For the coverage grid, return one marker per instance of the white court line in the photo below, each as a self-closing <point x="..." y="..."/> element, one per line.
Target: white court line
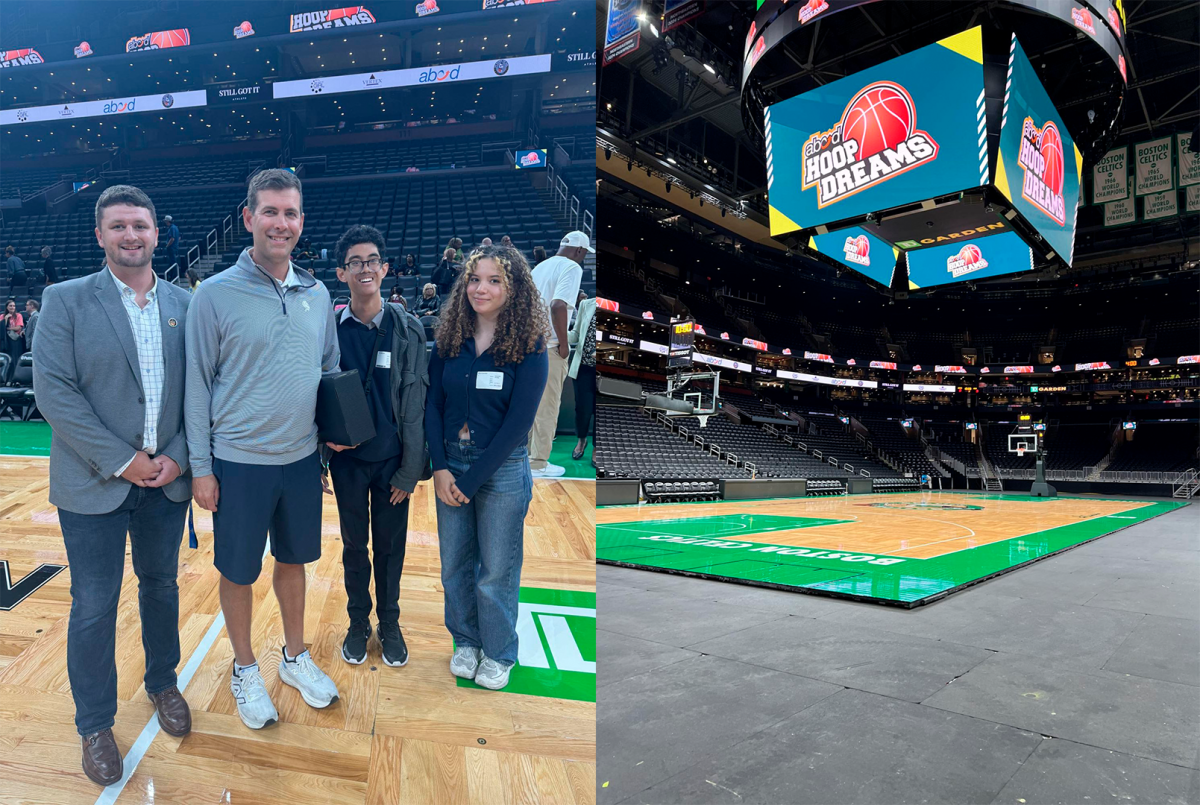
<point x="136" y="752"/>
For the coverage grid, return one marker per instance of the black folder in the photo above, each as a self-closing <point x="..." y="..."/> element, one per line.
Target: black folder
<point x="343" y="416"/>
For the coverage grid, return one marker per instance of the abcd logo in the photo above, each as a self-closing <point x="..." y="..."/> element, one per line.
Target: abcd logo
<point x="876" y="139"/>
<point x="117" y="107"/>
<point x="434" y="74"/>
<point x="1042" y="158"/>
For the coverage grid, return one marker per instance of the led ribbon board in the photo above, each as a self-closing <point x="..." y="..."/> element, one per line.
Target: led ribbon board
<point x="975" y="259"/>
<point x="1039" y="166"/>
<point x="413" y="77"/>
<point x="903" y="131"/>
<point x="105" y="108"/>
<point x="858" y="249"/>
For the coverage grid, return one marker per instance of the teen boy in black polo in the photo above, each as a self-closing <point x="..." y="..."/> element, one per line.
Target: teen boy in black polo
<point x="372" y="481"/>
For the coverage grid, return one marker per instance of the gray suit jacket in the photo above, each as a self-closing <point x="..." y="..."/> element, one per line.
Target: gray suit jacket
<point x="88" y="385"/>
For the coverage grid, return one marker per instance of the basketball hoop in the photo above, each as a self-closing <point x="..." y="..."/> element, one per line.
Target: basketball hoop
<point x="1021" y="451"/>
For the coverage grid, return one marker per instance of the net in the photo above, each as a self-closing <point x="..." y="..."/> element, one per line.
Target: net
<point x="1020" y="451"/>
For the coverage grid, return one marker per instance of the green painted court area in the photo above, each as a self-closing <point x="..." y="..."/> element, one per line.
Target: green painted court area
<point x="721" y="547"/>
<point x="24" y="439"/>
<point x="557" y="654"/>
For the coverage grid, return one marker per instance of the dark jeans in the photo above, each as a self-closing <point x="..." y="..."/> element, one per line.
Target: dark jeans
<point x="96" y="555"/>
<point x="585" y="399"/>
<point x="363" y="488"/>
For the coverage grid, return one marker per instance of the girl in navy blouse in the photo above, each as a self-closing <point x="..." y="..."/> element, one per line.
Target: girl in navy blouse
<point x="486" y="377"/>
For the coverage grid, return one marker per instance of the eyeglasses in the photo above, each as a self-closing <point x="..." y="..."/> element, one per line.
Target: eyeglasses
<point x="357" y="266"/>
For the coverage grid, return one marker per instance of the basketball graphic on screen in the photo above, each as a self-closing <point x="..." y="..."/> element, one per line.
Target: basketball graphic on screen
<point x="862" y="246"/>
<point x="969" y="254"/>
<point x="880" y="116"/>
<point x="84" y="46"/>
<point x="1051" y="146"/>
<point x="246" y="27"/>
<point x="1085" y="17"/>
<point x="815" y="4"/>
<point x="170" y="39"/>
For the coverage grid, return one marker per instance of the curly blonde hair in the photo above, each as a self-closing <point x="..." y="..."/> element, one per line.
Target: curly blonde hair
<point x="523" y="323"/>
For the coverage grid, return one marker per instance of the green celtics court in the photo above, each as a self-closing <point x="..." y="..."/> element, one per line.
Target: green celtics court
<point x="905" y="549"/>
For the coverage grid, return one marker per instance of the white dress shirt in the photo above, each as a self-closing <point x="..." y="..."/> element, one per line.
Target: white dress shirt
<point x="147" y="336"/>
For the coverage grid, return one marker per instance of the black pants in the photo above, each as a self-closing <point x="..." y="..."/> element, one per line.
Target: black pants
<point x="585" y="399"/>
<point x="363" y="493"/>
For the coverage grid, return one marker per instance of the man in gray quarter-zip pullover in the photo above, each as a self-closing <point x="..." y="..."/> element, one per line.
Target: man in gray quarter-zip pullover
<point x="259" y="335"/>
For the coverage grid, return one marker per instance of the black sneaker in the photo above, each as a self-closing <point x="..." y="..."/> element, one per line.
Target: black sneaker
<point x="395" y="653"/>
<point x="354" y="647"/>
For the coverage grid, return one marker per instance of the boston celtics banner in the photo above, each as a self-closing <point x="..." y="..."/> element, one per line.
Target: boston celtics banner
<point x="1153" y="166"/>
<point x="1193" y="198"/>
<point x="1119" y="213"/>
<point x="1108" y="176"/>
<point x="1189" y="162"/>
<point x="1160" y="205"/>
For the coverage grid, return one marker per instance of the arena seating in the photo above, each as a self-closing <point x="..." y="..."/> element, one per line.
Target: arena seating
<point x="1158" y="447"/>
<point x="629" y="444"/>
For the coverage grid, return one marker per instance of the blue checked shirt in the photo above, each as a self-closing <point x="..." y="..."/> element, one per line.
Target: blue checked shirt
<point x="147" y="334"/>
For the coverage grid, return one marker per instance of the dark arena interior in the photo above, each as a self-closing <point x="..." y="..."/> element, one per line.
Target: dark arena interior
<point x="814" y="379"/>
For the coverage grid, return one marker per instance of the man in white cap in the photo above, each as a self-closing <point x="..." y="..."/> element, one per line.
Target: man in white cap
<point x="557" y="279"/>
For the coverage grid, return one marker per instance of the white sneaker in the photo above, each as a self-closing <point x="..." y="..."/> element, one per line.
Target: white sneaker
<point x="303" y="674"/>
<point x="550" y="471"/>
<point x="492" y="674"/>
<point x="465" y="661"/>
<point x="253" y="702"/>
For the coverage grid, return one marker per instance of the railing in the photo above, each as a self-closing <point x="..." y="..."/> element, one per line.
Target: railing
<point x="832" y="460"/>
<point x="864" y="473"/>
<point x="171" y="275"/>
<point x="1186" y="485"/>
<point x="193" y="256"/>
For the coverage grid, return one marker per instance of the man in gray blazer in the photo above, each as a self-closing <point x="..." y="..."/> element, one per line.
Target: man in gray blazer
<point x="108" y="373"/>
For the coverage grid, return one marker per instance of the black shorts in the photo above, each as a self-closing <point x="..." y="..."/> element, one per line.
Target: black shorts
<point x="255" y="499"/>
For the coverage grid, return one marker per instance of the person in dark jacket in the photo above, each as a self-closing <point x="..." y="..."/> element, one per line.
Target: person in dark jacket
<point x="430" y="304"/>
<point x="48" y="267"/>
<point x="447" y="272"/>
<point x="373" y="480"/>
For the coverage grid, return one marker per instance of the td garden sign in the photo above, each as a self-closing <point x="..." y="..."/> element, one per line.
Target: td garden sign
<point x="776" y="550"/>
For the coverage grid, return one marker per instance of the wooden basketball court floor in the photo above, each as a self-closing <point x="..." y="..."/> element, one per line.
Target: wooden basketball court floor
<point x="397" y="735"/>
<point x="903" y="549"/>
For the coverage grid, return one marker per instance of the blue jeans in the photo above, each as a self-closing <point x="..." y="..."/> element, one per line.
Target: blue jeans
<point x="482" y="545"/>
<point x="96" y="555"/>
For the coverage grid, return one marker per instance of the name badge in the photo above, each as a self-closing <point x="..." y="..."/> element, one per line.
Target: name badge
<point x="492" y="381"/>
<point x="383" y="360"/>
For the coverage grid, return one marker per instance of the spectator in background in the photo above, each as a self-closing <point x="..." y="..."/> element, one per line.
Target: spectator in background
<point x="31" y="317"/>
<point x="575" y="311"/>
<point x="506" y="242"/>
<point x="446" y="272"/>
<point x="397" y="298"/>
<point x="485" y="242"/>
<point x="557" y="280"/>
<point x="539" y="254"/>
<point x="410" y="266"/>
<point x="456" y="244"/>
<point x="583" y="371"/>
<point x="486" y="374"/>
<point x="14" y="326"/>
<point x="430" y="304"/>
<point x="172" y="234"/>
<point x="306" y="249"/>
<point x="48" y="267"/>
<point x="193" y="279"/>
<point x="12" y="262"/>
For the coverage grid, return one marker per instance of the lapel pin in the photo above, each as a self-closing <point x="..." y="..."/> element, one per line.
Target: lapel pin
<point x="172" y="323"/>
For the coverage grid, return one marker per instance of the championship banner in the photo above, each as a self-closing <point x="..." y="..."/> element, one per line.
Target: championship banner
<point x="20" y="58"/>
<point x="906" y="130"/>
<point x="1193" y="198"/>
<point x="1039" y="168"/>
<point x="105" y="108"/>
<point x="677" y="12"/>
<point x="1108" y="176"/>
<point x="333" y="18"/>
<point x="622" y="30"/>
<point x="858" y="249"/>
<point x="974" y="260"/>
<point x="1119" y="213"/>
<point x="1152" y="162"/>
<point x="177" y="38"/>
<point x="416" y="76"/>
<point x="1160" y="205"/>
<point x="1189" y="162"/>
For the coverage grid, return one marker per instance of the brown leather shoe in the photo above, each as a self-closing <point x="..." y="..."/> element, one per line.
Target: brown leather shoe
<point x="174" y="715"/>
<point x="102" y="761"/>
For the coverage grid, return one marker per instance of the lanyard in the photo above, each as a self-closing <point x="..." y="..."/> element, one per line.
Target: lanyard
<point x="379" y="334"/>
